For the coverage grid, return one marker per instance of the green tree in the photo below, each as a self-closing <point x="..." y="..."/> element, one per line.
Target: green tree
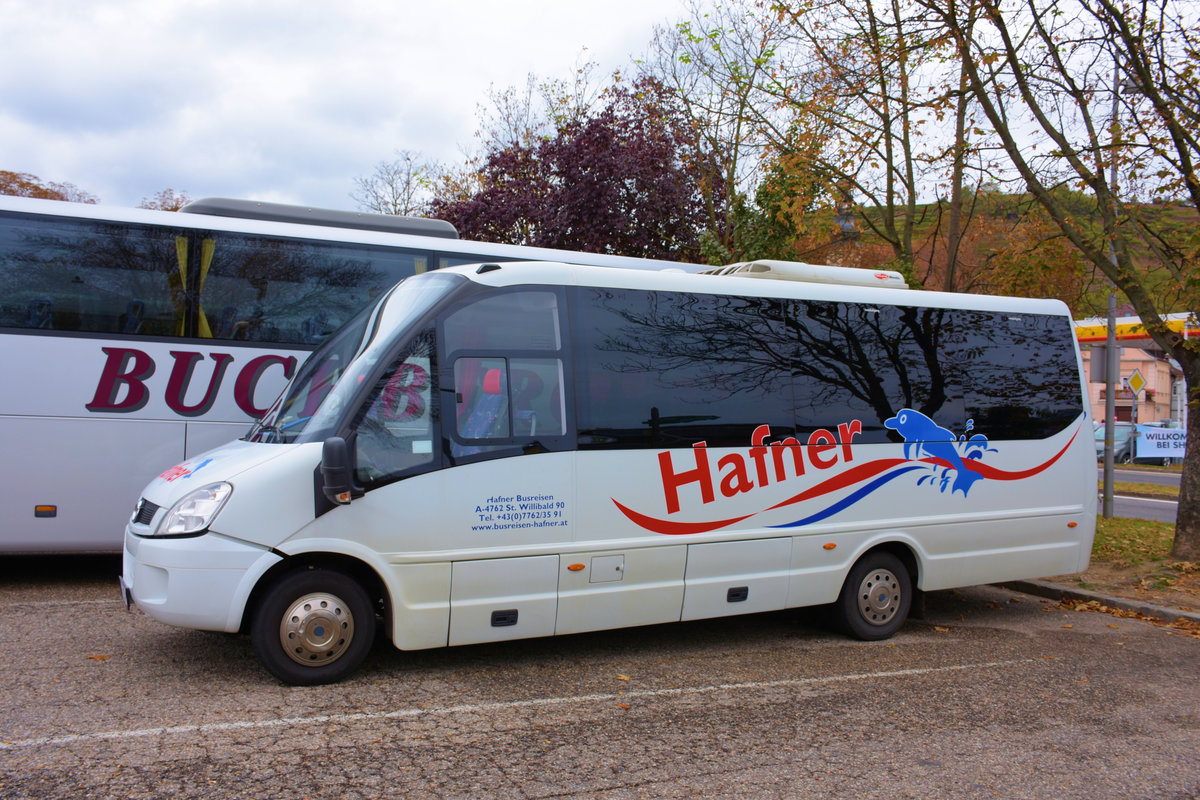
<point x="716" y="63"/>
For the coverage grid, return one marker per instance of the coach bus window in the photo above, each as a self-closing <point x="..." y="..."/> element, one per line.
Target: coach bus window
<point x="657" y="369"/>
<point x="867" y="362"/>
<point x="288" y="290"/>
<point x="1020" y="374"/>
<point x="81" y="275"/>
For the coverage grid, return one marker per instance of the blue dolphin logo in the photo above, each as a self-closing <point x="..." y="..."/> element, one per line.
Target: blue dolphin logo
<point x="924" y="435"/>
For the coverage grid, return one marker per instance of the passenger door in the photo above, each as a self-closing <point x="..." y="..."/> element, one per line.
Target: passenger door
<point x="511" y="462"/>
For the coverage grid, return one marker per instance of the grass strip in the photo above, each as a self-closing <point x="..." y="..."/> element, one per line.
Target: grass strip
<point x="1127" y="542"/>
<point x="1155" y="489"/>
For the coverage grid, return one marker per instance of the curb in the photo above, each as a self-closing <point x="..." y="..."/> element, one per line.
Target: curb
<point x="1056" y="591"/>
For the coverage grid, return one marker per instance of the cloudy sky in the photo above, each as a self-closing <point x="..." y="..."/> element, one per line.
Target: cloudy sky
<point x="272" y="99"/>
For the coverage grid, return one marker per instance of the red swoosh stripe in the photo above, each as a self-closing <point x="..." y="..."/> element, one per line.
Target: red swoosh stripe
<point x="992" y="473"/>
<point x="676" y="528"/>
<point x="842" y="480"/>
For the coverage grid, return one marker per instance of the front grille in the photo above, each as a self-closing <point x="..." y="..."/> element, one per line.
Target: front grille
<point x="144" y="513"/>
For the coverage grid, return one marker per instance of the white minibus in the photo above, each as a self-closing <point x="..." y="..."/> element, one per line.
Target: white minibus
<point x="509" y="450"/>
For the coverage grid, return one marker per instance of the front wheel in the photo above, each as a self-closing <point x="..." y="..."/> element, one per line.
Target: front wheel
<point x="313" y="627"/>
<point x="875" y="598"/>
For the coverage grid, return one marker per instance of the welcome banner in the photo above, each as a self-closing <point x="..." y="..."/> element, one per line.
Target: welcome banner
<point x="1155" y="442"/>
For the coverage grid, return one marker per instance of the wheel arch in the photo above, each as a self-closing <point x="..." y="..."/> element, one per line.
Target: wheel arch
<point x="898" y="544"/>
<point x="903" y="550"/>
<point x="356" y="568"/>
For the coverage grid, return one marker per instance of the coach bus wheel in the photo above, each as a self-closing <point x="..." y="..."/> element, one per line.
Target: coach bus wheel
<point x="876" y="597"/>
<point x="313" y="627"/>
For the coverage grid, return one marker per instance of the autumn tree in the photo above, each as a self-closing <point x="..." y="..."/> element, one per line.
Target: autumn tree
<point x="830" y="110"/>
<point x="166" y="200"/>
<point x="1104" y="96"/>
<point x="22" y="184"/>
<point x="620" y="180"/>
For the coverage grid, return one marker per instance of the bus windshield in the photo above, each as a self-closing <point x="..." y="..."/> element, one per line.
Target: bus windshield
<point x="313" y="402"/>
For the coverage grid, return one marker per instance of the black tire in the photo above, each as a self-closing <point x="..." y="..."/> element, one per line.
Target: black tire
<point x="875" y="598"/>
<point x="313" y="627"/>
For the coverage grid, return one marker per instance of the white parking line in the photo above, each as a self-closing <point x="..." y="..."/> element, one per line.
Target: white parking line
<point x="1147" y="499"/>
<point x="404" y="713"/>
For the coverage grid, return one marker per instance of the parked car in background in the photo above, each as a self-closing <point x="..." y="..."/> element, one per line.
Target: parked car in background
<point x="1123" y="443"/>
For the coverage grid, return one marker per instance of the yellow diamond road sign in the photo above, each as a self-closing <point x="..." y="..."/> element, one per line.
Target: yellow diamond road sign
<point x="1137" y="382"/>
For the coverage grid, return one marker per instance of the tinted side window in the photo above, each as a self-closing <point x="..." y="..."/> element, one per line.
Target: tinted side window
<point x="117" y="278"/>
<point x="658" y="369"/>
<point x="82" y="275"/>
<point x="1019" y="374"/>
<point x="256" y="288"/>
<point x="867" y="362"/>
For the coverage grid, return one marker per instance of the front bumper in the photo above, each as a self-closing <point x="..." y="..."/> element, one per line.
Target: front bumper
<point x="200" y="582"/>
<point x="126" y="595"/>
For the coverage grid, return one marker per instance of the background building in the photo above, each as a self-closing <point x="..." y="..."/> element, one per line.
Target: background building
<point x="1163" y="398"/>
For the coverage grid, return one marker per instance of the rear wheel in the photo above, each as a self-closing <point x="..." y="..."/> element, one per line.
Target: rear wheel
<point x="876" y="597"/>
<point x="313" y="627"/>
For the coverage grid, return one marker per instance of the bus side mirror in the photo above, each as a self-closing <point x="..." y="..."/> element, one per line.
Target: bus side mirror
<point x="335" y="470"/>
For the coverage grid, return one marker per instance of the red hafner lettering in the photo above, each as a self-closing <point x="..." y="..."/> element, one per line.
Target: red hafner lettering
<point x="740" y="474"/>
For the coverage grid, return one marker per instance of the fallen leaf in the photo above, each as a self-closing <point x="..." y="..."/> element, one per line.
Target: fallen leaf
<point x="99" y="658"/>
<point x="1068" y="625"/>
<point x="622" y="677"/>
<point x="940" y="628"/>
<point x="625" y="706"/>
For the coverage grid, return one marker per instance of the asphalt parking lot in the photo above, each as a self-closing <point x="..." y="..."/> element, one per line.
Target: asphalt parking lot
<point x="991" y="694"/>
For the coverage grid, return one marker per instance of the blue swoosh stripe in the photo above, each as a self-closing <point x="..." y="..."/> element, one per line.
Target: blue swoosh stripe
<point x="850" y="499"/>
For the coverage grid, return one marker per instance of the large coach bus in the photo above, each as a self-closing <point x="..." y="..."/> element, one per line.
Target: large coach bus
<point x="512" y="450"/>
<point x="132" y="339"/>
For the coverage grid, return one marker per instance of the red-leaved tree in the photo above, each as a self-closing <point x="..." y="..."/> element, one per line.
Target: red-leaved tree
<point x="621" y="180"/>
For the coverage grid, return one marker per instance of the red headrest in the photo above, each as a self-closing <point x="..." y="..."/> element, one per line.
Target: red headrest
<point x="491" y="382"/>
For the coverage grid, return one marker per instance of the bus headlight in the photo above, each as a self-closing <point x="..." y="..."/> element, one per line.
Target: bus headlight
<point x="195" y="511"/>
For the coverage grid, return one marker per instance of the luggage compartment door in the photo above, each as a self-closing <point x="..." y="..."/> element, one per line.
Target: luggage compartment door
<point x="496" y="599"/>
<point x="726" y="578"/>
